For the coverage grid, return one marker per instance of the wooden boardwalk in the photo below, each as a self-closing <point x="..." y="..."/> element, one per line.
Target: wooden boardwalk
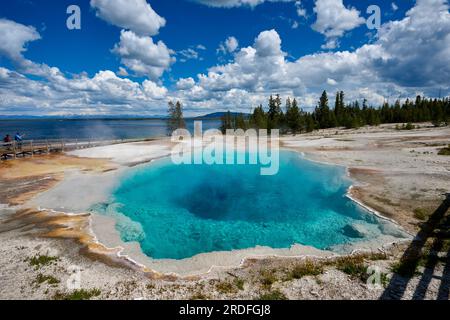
<point x="29" y="148"/>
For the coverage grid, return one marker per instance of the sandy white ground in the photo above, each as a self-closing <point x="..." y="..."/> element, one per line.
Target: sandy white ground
<point x="127" y="153"/>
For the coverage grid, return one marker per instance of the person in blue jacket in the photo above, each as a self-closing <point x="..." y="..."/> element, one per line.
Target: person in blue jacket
<point x="19" y="139"/>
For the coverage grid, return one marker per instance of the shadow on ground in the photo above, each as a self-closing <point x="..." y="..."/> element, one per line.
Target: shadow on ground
<point x="430" y="249"/>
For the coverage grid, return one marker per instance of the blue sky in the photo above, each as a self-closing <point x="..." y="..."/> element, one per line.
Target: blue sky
<point x="131" y="57"/>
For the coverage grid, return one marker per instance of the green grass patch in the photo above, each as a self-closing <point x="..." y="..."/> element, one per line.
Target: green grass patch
<point x="444" y="151"/>
<point x="80" y="294"/>
<point x="445" y="245"/>
<point x="239" y="283"/>
<point x="372" y="256"/>
<point x="407" y="266"/>
<point x="420" y="214"/>
<point x="199" y="296"/>
<point x="272" y="295"/>
<point x="353" y="266"/>
<point x="226" y="287"/>
<point x="39" y="261"/>
<point x="384" y="280"/>
<point x="306" y="268"/>
<point x="40" y="279"/>
<point x="268" y="278"/>
<point x="407" y="126"/>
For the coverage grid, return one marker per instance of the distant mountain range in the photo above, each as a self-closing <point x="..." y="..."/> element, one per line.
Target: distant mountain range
<point x="80" y="117"/>
<point x="214" y="115"/>
<point x="218" y="115"/>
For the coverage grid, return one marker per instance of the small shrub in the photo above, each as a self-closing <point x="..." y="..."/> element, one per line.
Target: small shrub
<point x="239" y="283"/>
<point x="40" y="279"/>
<point x="407" y="126"/>
<point x="420" y="214"/>
<point x="199" y="296"/>
<point x="81" y="294"/>
<point x="272" y="295"/>
<point x="225" y="287"/>
<point x="407" y="266"/>
<point x="445" y="245"/>
<point x="353" y="266"/>
<point x="375" y="256"/>
<point x="444" y="151"/>
<point x="39" y="261"/>
<point x="384" y="279"/>
<point x="437" y="123"/>
<point x="268" y="278"/>
<point x="306" y="268"/>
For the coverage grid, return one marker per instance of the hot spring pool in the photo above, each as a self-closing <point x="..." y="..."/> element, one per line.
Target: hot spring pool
<point x="178" y="211"/>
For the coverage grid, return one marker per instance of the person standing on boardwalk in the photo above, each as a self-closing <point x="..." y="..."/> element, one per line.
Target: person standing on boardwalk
<point x="19" y="139"/>
<point x="7" y="141"/>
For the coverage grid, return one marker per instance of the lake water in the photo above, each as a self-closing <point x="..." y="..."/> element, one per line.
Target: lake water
<point x="180" y="211"/>
<point x="92" y="129"/>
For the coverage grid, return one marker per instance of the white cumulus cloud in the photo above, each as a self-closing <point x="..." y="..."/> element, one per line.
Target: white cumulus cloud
<point x="334" y="19"/>
<point x="301" y="11"/>
<point x="188" y="54"/>
<point x="141" y="55"/>
<point x="185" y="83"/>
<point x="154" y="91"/>
<point x="14" y="38"/>
<point x="409" y="56"/>
<point x="236" y="3"/>
<point x="394" y="6"/>
<point x="230" y="45"/>
<point x="135" y="15"/>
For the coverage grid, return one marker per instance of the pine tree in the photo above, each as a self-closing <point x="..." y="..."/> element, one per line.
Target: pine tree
<point x="227" y="122"/>
<point x="179" y="115"/>
<point x="339" y="107"/>
<point x="323" y="102"/>
<point x="288" y="104"/>
<point x="310" y="123"/>
<point x="351" y="115"/>
<point x="258" y="119"/>
<point x="240" y="122"/>
<point x="275" y="114"/>
<point x="324" y="116"/>
<point x="171" y="123"/>
<point x="293" y="117"/>
<point x="175" y="117"/>
<point x="438" y="117"/>
<point x="337" y="104"/>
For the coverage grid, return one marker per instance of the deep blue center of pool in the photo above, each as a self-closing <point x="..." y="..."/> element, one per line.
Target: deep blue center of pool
<point x="178" y="211"/>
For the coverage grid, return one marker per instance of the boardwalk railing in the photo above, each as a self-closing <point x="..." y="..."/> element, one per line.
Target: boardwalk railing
<point x="15" y="149"/>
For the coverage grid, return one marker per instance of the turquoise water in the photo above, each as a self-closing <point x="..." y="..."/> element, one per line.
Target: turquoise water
<point x="180" y="211"/>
